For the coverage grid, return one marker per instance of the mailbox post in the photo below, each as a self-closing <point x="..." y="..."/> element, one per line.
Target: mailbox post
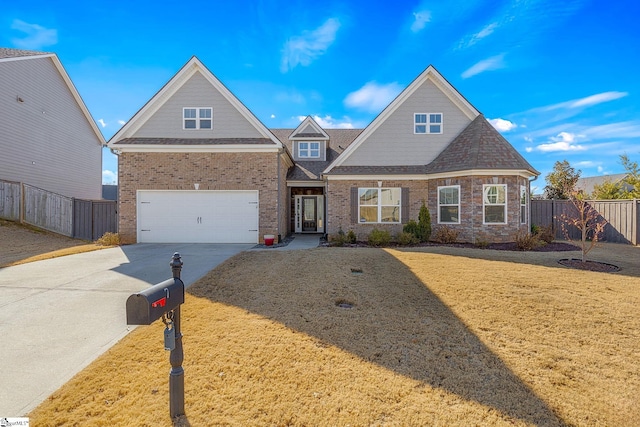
<point x="149" y="305"/>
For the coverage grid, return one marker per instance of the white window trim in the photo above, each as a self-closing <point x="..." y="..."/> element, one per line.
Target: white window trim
<point x="197" y="118"/>
<point x="484" y="204"/>
<point x="524" y="219"/>
<point x="427" y="124"/>
<point x="448" y="204"/>
<point x="380" y="205"/>
<point x="308" y="150"/>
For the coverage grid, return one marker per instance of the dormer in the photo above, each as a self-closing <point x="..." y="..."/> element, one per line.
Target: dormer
<point x="310" y="141"/>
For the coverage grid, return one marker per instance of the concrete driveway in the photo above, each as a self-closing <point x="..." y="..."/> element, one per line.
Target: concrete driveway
<point x="58" y="315"/>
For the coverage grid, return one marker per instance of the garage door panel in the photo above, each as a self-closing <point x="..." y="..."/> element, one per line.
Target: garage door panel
<point x="198" y="216"/>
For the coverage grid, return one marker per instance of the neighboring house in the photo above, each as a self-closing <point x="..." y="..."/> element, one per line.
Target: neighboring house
<point x="48" y="138"/>
<point x="195" y="165"/>
<point x="588" y="184"/>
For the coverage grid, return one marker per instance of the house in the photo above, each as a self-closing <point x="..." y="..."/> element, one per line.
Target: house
<point x="195" y="165"/>
<point x="588" y="184"/>
<point x="47" y="136"/>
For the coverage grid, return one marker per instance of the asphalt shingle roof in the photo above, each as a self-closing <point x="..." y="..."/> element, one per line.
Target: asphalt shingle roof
<point x="6" y="52"/>
<point x="479" y="146"/>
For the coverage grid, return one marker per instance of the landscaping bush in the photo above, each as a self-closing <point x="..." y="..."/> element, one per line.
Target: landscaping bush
<point x="109" y="239"/>
<point x="405" y="238"/>
<point x="411" y="227"/>
<point x="482" y="240"/>
<point x="547" y="234"/>
<point x="351" y="237"/>
<point x="379" y="237"/>
<point x="527" y="241"/>
<point x="444" y="234"/>
<point x="424" y="224"/>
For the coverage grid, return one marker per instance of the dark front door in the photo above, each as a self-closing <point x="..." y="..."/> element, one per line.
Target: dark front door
<point x="309" y="214"/>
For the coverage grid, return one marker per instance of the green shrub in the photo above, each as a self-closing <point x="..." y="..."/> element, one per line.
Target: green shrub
<point x="445" y="234"/>
<point x="109" y="239"/>
<point x="535" y="229"/>
<point x="547" y="234"/>
<point x="338" y="239"/>
<point x="379" y="237"/>
<point x="411" y="227"/>
<point x="405" y="238"/>
<point x="527" y="241"/>
<point x="424" y="224"/>
<point x="351" y="237"/>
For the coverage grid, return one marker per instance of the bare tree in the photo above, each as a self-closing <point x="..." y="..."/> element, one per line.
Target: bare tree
<point x="586" y="219"/>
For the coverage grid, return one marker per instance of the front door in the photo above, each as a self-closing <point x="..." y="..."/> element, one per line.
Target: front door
<point x="309" y="214"/>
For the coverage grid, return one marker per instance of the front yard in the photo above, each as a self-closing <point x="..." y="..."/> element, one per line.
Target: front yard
<point x="361" y="336"/>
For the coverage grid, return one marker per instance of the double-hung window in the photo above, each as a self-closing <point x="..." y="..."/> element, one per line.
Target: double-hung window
<point x="308" y="150"/>
<point x="523" y="204"/>
<point x="379" y="205"/>
<point x="427" y="123"/>
<point x="449" y="204"/>
<point x="197" y="118"/>
<point x="494" y="203"/>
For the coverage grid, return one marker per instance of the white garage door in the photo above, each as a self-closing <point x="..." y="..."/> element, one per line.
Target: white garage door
<point x="197" y="216"/>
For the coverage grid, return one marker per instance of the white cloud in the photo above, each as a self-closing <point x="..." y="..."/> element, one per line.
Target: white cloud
<point x="600" y="169"/>
<point x="503" y="125"/>
<point x="121" y="122"/>
<point x="273" y="116"/>
<point x="102" y="123"/>
<point x="36" y="36"/>
<point x="489" y="64"/>
<point x="109" y="177"/>
<point x="329" y="122"/>
<point x="475" y="38"/>
<point x="587" y="101"/>
<point x="420" y="20"/>
<point x="373" y="97"/>
<point x="303" y="49"/>
<point x="528" y="149"/>
<point x="564" y="141"/>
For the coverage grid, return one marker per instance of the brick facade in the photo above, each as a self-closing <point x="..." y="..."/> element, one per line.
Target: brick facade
<point x="213" y="171"/>
<point x="471" y="226"/>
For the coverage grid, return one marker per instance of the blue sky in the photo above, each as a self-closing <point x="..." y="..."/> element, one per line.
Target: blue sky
<point x="559" y="79"/>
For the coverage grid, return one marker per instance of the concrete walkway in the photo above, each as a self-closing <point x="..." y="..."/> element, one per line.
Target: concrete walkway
<point x="300" y="241"/>
<point x="58" y="315"/>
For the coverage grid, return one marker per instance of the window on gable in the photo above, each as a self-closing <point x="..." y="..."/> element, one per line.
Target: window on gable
<point x="197" y="118"/>
<point x="427" y="123"/>
<point x="377" y="205"/>
<point x="494" y="203"/>
<point x="523" y="204"/>
<point x="449" y="204"/>
<point x="308" y="150"/>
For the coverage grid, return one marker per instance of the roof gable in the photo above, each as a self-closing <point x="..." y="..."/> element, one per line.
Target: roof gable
<point x="192" y="74"/>
<point x="308" y="128"/>
<point x="429" y="77"/>
<point x="12" y="55"/>
<point x="479" y="147"/>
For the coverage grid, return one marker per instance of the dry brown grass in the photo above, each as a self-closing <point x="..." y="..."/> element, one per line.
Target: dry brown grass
<point x="22" y="244"/>
<point x="436" y="336"/>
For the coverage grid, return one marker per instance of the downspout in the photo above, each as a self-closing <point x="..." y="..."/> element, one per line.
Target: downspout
<point x="280" y="151"/>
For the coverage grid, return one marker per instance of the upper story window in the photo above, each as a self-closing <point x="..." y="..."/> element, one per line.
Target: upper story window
<point x="197" y="118"/>
<point x="427" y="123"/>
<point x="494" y="203"/>
<point x="449" y="204"/>
<point x="308" y="150"/>
<point x="379" y="204"/>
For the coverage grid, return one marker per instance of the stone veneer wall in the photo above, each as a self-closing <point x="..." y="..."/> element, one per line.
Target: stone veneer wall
<point x="471" y="225"/>
<point x="213" y="171"/>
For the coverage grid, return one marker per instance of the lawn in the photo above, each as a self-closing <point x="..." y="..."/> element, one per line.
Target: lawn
<point x="434" y="336"/>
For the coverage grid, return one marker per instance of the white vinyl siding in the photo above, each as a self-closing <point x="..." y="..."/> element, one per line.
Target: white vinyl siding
<point x="449" y="204"/>
<point x="379" y="205"/>
<point x="46" y="139"/>
<point x="494" y="204"/>
<point x="394" y="142"/>
<point x="167" y="122"/>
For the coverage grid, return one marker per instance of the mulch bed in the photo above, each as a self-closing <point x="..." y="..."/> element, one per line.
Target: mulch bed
<point x="602" y="267"/>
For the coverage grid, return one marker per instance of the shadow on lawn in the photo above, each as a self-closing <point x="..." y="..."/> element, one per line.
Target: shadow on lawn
<point x="395" y="321"/>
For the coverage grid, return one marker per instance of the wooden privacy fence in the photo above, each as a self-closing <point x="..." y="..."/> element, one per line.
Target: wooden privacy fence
<point x="621" y="216"/>
<point x="77" y="218"/>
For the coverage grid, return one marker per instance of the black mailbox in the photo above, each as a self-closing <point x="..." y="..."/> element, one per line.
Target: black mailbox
<point x="149" y="305"/>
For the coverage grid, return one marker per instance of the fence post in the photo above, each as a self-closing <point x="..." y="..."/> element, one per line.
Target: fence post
<point x="176" y="376"/>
